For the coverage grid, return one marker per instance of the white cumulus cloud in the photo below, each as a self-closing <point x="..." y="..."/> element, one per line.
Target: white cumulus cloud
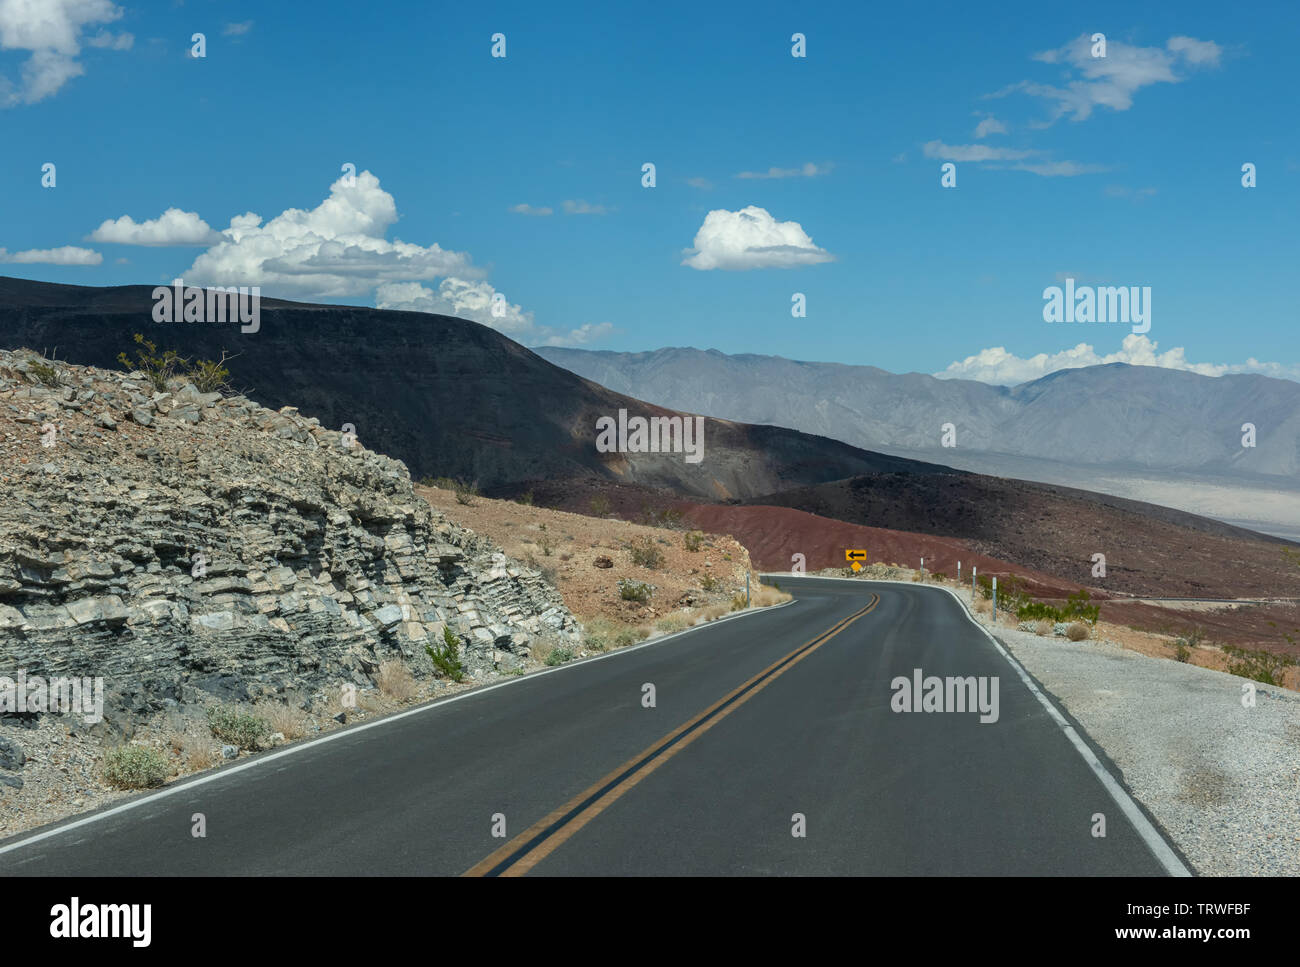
<point x="172" y="227"/>
<point x="67" y="255"/>
<point x="1003" y="368"/>
<point x="335" y="250"/>
<point x="50" y="31"/>
<point x="751" y="239"/>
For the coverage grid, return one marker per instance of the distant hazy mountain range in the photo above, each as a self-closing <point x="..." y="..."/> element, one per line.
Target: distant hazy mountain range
<point x="1159" y="435"/>
<point x="446" y="396"/>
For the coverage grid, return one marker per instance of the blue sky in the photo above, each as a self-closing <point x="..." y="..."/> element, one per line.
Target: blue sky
<point x="1122" y="171"/>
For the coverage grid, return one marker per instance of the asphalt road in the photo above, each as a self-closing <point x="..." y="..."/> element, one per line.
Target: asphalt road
<point x="755" y="719"/>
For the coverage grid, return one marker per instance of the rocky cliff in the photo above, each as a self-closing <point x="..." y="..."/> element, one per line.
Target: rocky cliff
<point x="184" y="545"/>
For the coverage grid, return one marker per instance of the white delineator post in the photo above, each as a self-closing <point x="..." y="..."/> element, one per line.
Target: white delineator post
<point x="974" y="571"/>
<point x="746" y="589"/>
<point x="959" y="572"/>
<point x="995" y="600"/>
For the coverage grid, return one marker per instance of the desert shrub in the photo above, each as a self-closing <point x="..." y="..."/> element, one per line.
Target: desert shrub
<point x="600" y="505"/>
<point x="559" y="656"/>
<point x="1262" y="666"/>
<point x="1077" y="606"/>
<point x="135" y="767"/>
<point x="693" y="540"/>
<point x="237" y="727"/>
<point x="939" y="576"/>
<point x="1182" y="649"/>
<point x="465" y="491"/>
<point x="45" y="374"/>
<point x="661" y="517"/>
<point x="644" y="553"/>
<point x="447" y="658"/>
<point x="158" y="367"/>
<point x="709" y="582"/>
<point x="1077" y="631"/>
<point x="1044" y="627"/>
<point x="525" y="498"/>
<point x="1038" y="611"/>
<point x="599" y="633"/>
<point x="634" y="591"/>
<point x="209" y="375"/>
<point x="738" y="602"/>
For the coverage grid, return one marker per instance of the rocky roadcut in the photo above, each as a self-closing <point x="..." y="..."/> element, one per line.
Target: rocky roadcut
<point x="190" y="548"/>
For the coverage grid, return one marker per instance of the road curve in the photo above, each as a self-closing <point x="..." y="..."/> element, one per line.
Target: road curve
<point x="772" y="747"/>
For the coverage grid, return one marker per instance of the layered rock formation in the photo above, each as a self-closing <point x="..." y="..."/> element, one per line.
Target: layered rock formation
<point x="183" y="544"/>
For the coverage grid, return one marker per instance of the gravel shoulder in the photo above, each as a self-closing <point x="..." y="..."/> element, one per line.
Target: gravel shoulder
<point x="1222" y="779"/>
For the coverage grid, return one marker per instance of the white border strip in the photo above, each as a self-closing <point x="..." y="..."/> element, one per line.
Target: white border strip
<point x="1163" y="852"/>
<point x="217" y="774"/>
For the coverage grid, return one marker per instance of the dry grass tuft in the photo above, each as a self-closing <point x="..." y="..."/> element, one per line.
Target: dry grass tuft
<point x="285" y="719"/>
<point x="677" y="621"/>
<point x="395" y="681"/>
<point x="1077" y="631"/>
<point x="198" y="752"/>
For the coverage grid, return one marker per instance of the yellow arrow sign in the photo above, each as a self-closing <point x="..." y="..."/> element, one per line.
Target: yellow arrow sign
<point x="854" y="555"/>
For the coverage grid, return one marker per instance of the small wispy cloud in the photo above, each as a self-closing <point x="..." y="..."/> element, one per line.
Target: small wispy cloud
<point x="1060" y="169"/>
<point x="1090" y="82"/>
<point x="989" y="125"/>
<point x="580" y="207"/>
<point x="237" y="29"/>
<point x="984" y="154"/>
<point x="526" y="209"/>
<point x="107" y="41"/>
<point x="809" y="170"/>
<point x="702" y="183"/>
<point x="67" y="255"/>
<point x="973" y="152"/>
<point x="587" y="333"/>
<point x="1123" y="191"/>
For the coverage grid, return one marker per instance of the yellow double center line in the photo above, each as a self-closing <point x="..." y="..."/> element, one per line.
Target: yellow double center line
<point x="541" y="839"/>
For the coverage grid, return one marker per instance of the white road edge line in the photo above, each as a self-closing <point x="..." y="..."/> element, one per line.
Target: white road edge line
<point x="1159" y="847"/>
<point x="346" y="733"/>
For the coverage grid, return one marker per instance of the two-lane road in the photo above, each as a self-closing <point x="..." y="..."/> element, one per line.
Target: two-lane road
<point x="773" y="746"/>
